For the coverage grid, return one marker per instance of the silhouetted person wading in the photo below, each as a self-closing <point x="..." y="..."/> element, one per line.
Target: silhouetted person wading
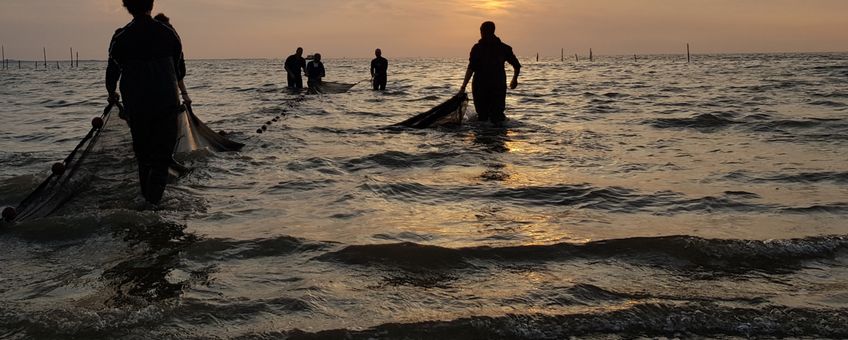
<point x="315" y="71"/>
<point x="379" y="70"/>
<point x="293" y="65"/>
<point x="486" y="64"/>
<point x="145" y="55"/>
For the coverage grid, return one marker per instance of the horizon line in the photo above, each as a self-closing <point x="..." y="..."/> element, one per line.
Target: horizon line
<point x="531" y="56"/>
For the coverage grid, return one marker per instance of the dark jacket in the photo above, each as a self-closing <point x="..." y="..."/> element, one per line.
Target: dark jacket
<point x="315" y="70"/>
<point x="487" y="61"/>
<point x="294" y="64"/>
<point x="146" y="56"/>
<point x="379" y="66"/>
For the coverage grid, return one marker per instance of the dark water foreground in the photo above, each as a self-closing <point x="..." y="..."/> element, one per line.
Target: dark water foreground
<point x="650" y="199"/>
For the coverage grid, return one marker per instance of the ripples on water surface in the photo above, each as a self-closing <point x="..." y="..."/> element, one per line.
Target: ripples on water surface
<point x="649" y="198"/>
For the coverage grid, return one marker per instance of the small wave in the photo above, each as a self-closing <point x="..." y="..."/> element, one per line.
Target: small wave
<point x="804" y="177"/>
<point x="397" y="159"/>
<point x="636" y="321"/>
<point x="728" y="255"/>
<point x="829" y="103"/>
<point x="219" y="249"/>
<point x="15" y="189"/>
<point x="703" y="122"/>
<point x="832" y="208"/>
<point x="616" y="95"/>
<point x="778" y="125"/>
<point x="424" y="99"/>
<point x="205" y="313"/>
<point x="300" y="185"/>
<point x="583" y="196"/>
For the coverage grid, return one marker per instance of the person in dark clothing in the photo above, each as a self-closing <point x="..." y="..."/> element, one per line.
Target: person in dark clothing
<point x="293" y="65"/>
<point x="379" y="70"/>
<point x="486" y="65"/>
<point x="145" y="56"/>
<point x="315" y="71"/>
<point x="181" y="68"/>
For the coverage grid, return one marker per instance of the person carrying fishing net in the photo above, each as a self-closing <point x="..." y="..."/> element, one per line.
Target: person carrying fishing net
<point x="145" y="55"/>
<point x="486" y="65"/>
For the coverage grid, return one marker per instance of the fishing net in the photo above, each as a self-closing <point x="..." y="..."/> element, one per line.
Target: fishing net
<point x="101" y="172"/>
<point x="329" y="87"/>
<point x="448" y="113"/>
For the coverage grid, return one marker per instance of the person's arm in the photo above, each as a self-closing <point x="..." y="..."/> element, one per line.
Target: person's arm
<point x="472" y="65"/>
<point x="287" y="67"/>
<point x="516" y="68"/>
<point x="372" y="68"/>
<point x="468" y="73"/>
<point x="184" y="92"/>
<point x="181" y="73"/>
<point x="113" y="73"/>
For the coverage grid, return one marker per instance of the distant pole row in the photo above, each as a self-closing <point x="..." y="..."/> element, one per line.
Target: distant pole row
<point x="5" y="62"/>
<point x="592" y="55"/>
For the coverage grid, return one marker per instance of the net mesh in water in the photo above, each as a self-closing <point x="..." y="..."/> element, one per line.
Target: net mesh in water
<point x="448" y="113"/>
<point x="101" y="172"/>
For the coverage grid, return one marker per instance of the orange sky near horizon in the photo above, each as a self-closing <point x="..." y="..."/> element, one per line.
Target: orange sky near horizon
<point x="435" y="28"/>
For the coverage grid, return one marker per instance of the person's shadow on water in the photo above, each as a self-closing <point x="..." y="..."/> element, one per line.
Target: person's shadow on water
<point x="493" y="140"/>
<point x="155" y="254"/>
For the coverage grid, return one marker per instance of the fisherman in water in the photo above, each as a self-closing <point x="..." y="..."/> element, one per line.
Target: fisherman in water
<point x="181" y="68"/>
<point x="486" y="65"/>
<point x="293" y="66"/>
<point x="315" y="71"/>
<point x="379" y="71"/>
<point x="145" y="56"/>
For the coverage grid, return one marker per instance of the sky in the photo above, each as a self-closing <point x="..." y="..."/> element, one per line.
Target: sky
<point x="435" y="28"/>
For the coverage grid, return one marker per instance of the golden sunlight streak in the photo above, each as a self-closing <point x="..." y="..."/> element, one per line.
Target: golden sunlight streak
<point x="492" y="5"/>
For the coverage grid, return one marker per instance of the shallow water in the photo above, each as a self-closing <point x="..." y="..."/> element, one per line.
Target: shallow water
<point x="648" y="198"/>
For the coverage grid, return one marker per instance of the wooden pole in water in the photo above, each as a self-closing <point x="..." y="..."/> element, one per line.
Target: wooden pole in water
<point x="537" y="57"/>
<point x="77" y="58"/>
<point x="562" y="55"/>
<point x="3" y="48"/>
<point x="57" y="65"/>
<point x="688" y="56"/>
<point x="576" y="57"/>
<point x="635" y="58"/>
<point x="72" y="57"/>
<point x="591" y="56"/>
<point x="45" y="58"/>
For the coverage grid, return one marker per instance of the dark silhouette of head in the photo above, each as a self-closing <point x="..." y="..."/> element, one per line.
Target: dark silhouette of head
<point x="161" y="17"/>
<point x="317" y="57"/>
<point x="378" y="52"/>
<point x="299" y="51"/>
<point x="139" y="7"/>
<point x="487" y="29"/>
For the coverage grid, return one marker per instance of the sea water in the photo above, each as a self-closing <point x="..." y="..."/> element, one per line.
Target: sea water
<point x="623" y="198"/>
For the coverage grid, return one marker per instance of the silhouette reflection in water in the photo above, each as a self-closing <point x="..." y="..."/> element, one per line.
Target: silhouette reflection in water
<point x="146" y="276"/>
